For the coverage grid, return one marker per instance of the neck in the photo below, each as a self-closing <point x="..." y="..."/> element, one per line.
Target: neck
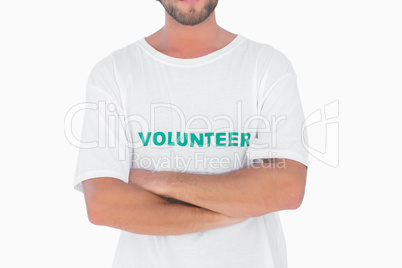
<point x="177" y="40"/>
<point x="188" y="38"/>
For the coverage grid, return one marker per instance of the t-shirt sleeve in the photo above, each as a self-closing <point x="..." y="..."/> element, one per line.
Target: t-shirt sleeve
<point x="104" y="150"/>
<point x="279" y="132"/>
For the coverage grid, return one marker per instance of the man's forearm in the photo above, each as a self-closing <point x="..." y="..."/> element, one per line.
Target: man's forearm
<point x="113" y="203"/>
<point x="247" y="192"/>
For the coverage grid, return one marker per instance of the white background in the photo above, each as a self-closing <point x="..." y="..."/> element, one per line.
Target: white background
<point x="346" y="50"/>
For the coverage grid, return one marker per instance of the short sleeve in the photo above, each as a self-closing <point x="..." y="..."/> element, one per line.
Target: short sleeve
<point x="279" y="132"/>
<point x="104" y="150"/>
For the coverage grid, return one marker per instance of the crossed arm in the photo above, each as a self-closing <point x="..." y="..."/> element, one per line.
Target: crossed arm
<point x="214" y="200"/>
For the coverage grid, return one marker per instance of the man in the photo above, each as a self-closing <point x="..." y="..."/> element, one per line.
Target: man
<point x="194" y="145"/>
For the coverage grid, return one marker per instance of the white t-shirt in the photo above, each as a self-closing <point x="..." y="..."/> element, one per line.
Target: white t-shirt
<point x="210" y="114"/>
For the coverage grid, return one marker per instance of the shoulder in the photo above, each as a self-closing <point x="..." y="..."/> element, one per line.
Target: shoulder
<point x="118" y="57"/>
<point x="271" y="63"/>
<point x="266" y="52"/>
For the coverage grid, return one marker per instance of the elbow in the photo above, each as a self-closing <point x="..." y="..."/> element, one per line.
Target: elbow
<point x="295" y="201"/>
<point x="100" y="195"/>
<point x="95" y="209"/>
<point x="94" y="213"/>
<point x="288" y="193"/>
<point x="295" y="184"/>
<point x="290" y="201"/>
<point x="290" y="197"/>
<point x="294" y="195"/>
